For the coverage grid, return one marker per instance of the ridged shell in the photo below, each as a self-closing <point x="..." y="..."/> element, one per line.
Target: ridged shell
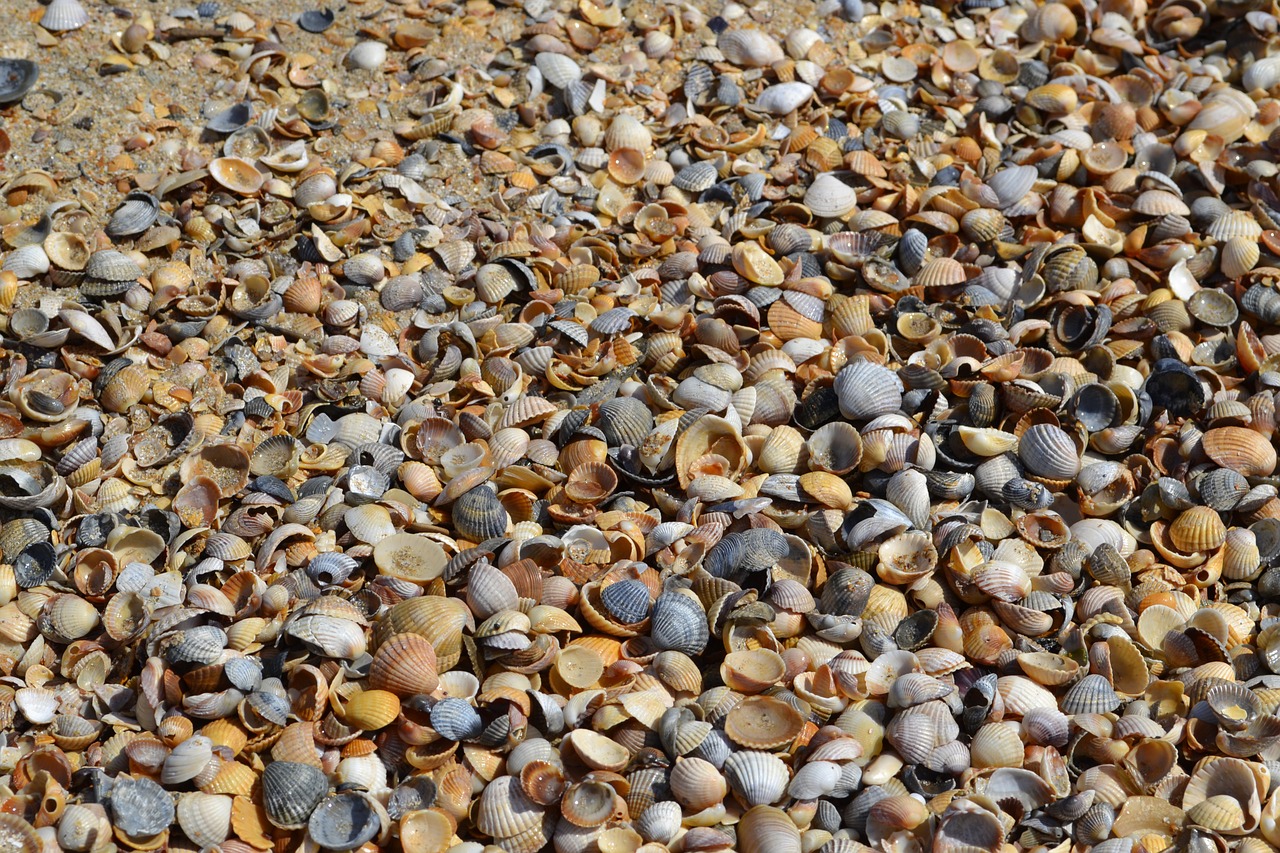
<point x="1048" y="451"/>
<point x="756" y="778"/>
<point x="830" y="197"/>
<point x="291" y="791"/>
<point x="140" y="807"/>
<point x="678" y="624"/>
<point x="867" y="390"/>
<point x="750" y="48"/>
<point x="62" y="16"/>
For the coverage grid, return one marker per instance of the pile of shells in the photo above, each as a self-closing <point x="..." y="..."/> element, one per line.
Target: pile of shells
<point x="655" y="429"/>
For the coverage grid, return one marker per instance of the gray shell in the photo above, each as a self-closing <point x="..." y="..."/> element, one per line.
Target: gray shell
<point x="1092" y="694"/>
<point x="846" y="592"/>
<point x="679" y="624"/>
<point x="867" y="390"/>
<point x="291" y="791"/>
<point x="140" y="807"/>
<point x="738" y="555"/>
<point x="243" y="673"/>
<point x="344" y="822"/>
<point x="136" y="214"/>
<point x="110" y="265"/>
<point x="624" y="420"/>
<point x="455" y="719"/>
<point x="479" y="515"/>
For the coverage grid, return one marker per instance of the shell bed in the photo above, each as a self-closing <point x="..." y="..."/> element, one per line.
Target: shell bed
<point x="628" y="427"/>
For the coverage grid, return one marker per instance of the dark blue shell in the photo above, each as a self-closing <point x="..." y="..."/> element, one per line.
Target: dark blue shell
<point x="454" y="719"/>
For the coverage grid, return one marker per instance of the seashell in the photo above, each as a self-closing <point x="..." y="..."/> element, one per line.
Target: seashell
<point x="409" y="557"/>
<point x="1241" y="450"/>
<point x="558" y="70"/>
<point x="205" y="818"/>
<point x="1011" y="184"/>
<point x="27" y="262"/>
<point x="678" y="624"/>
<point x="140" y="808"/>
<point x="783" y="98"/>
<point x="1047" y="451"/>
<point x="291" y="791"/>
<point x="830" y="197"/>
<point x="17" y="77"/>
<point x="750" y="48"/>
<point x="345" y="821"/>
<point x="764" y="828"/>
<point x="756" y="778"/>
<point x="62" y="16"/>
<point x="1198" y="529"/>
<point x="867" y="390"/>
<point x="235" y="174"/>
<point x="366" y="56"/>
<point x="186" y="760"/>
<point x="762" y="722"/>
<point x="1093" y="694"/>
<point x="136" y="213"/>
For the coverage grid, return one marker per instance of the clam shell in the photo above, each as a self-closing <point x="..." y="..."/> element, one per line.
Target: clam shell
<point x="344" y="821"/>
<point x="1048" y="451"/>
<point x="678" y="624"/>
<point x="756" y="778"/>
<point x="140" y="808"/>
<point x="17" y="77"/>
<point x="62" y="16"/>
<point x="750" y="48"/>
<point x="830" y="197"/>
<point x="291" y="791"/>
<point x="135" y="214"/>
<point x="783" y="98"/>
<point x="867" y="390"/>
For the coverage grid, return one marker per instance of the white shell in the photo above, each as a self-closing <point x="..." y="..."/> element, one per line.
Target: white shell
<point x="750" y="48"/>
<point x="830" y="197"/>
<point x="1261" y="74"/>
<point x="783" y="98"/>
<point x="27" y="262"/>
<point x="558" y="69"/>
<point x="757" y="778"/>
<point x="367" y="56"/>
<point x="62" y="16"/>
<point x="187" y="760"/>
<point x="815" y="779"/>
<point x="205" y="818"/>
